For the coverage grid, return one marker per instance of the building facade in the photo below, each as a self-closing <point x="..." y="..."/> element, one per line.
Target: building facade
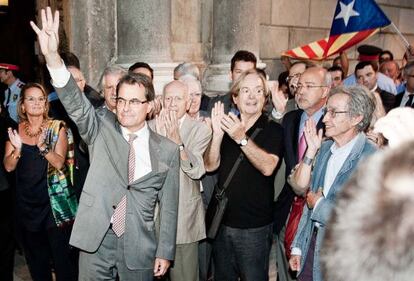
<point x="165" y="33"/>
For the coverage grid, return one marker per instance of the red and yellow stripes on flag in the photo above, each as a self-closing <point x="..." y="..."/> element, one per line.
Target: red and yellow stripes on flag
<point x="317" y="50"/>
<point x="312" y="51"/>
<point x="338" y="43"/>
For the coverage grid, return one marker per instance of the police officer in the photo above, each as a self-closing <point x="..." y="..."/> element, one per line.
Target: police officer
<point x="14" y="85"/>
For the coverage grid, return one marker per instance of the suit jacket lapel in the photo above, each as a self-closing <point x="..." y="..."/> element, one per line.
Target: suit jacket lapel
<point x="321" y="166"/>
<point x="118" y="150"/>
<point x="154" y="147"/>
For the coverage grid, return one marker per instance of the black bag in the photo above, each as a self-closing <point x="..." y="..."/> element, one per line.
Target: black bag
<point x="215" y="212"/>
<point x="218" y="203"/>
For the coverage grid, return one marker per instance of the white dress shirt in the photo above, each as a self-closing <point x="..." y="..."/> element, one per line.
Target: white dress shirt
<point x="141" y="148"/>
<point x="335" y="163"/>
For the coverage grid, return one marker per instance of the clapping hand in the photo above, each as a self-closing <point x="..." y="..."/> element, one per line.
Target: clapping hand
<point x="42" y="138"/>
<point x="15" y="139"/>
<point x="172" y="127"/>
<point x="313" y="139"/>
<point x="278" y="97"/>
<point x="232" y="125"/>
<point x="160" y="122"/>
<point x="217" y="115"/>
<point x="156" y="107"/>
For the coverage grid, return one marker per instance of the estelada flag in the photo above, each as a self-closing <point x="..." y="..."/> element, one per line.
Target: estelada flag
<point x="353" y="21"/>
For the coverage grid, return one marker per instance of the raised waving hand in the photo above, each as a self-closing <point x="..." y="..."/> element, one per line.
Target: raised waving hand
<point x="48" y="36"/>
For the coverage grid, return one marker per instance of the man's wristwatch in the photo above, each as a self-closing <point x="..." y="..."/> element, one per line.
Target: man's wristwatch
<point x="306" y="160"/>
<point x="243" y="141"/>
<point x="181" y="147"/>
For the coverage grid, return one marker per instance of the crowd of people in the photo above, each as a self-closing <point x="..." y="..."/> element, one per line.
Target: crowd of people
<point x="115" y="185"/>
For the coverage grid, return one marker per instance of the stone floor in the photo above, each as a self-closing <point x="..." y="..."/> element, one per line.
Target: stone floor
<point x="21" y="272"/>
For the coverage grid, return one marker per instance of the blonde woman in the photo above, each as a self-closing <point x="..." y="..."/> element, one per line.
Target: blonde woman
<point x="40" y="152"/>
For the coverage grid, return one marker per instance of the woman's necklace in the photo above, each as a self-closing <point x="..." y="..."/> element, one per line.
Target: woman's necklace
<point x="29" y="133"/>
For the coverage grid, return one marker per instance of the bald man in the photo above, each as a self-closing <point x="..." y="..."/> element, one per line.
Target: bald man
<point x="312" y="90"/>
<point x="192" y="137"/>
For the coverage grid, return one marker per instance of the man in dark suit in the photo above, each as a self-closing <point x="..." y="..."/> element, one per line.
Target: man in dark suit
<point x="131" y="169"/>
<point x="366" y="74"/>
<point x="311" y="94"/>
<point x="406" y="98"/>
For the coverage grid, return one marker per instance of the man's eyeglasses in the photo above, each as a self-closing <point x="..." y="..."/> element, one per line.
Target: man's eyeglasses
<point x="308" y="86"/>
<point x="332" y="112"/>
<point x="33" y="100"/>
<point x="132" y="102"/>
<point x="259" y="91"/>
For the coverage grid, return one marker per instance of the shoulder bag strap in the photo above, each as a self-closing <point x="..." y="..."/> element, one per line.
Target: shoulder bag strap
<point x="236" y="164"/>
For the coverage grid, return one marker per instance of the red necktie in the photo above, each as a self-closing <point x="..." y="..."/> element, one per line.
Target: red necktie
<point x="118" y="224"/>
<point x="302" y="146"/>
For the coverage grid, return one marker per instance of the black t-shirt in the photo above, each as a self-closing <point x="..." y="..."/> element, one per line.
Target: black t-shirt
<point x="250" y="193"/>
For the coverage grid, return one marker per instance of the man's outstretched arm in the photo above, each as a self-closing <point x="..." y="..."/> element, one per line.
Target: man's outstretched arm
<point x="77" y="106"/>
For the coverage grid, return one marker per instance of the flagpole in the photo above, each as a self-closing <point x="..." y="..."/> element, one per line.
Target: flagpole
<point x="407" y="44"/>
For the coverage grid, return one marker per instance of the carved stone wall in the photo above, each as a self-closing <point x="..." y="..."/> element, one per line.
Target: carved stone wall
<point x="207" y="32"/>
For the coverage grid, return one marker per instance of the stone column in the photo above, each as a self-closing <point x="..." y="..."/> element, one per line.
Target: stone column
<point x="186" y="31"/>
<point x="92" y="31"/>
<point x="145" y="26"/>
<point x="236" y="26"/>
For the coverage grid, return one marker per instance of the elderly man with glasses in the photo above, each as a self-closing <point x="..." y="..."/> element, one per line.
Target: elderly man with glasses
<point x="347" y="114"/>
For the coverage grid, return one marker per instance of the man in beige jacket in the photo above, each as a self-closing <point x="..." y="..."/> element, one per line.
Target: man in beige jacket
<point x="192" y="137"/>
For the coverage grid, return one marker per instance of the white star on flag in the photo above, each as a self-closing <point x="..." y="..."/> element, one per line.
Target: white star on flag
<point x="346" y="12"/>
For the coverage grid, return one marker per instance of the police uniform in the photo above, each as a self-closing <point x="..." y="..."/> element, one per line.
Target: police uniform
<point x="12" y="93"/>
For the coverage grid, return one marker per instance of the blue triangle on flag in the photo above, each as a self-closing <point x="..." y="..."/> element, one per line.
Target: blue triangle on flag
<point x="357" y="15"/>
